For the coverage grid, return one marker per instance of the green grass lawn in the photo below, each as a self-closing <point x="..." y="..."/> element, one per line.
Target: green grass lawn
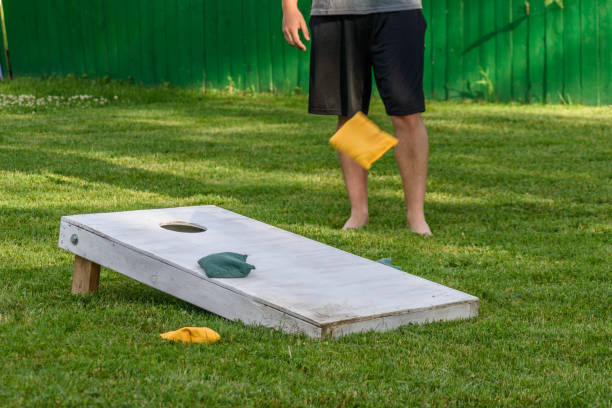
<point x="519" y="201"/>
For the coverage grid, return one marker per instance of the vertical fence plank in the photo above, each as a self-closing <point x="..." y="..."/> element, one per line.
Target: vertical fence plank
<point x="85" y="29"/>
<point x="100" y="40"/>
<point x="439" y="50"/>
<point x="427" y="75"/>
<point x="277" y="48"/>
<point x="504" y="52"/>
<point x="73" y="29"/>
<point x="263" y="50"/>
<point x="224" y="52"/>
<point x="33" y="33"/>
<point x="148" y="43"/>
<point x="64" y="42"/>
<point x="250" y="40"/>
<point x="605" y="52"/>
<point x="537" y="51"/>
<point x="304" y="57"/>
<point x="487" y="46"/>
<point x="110" y="31"/>
<point x="555" y="66"/>
<point x="571" y="44"/>
<point x="196" y="11"/>
<point x="183" y="43"/>
<point x="121" y="35"/>
<point x="171" y="28"/>
<point x="291" y="56"/>
<point x="88" y="41"/>
<point x="94" y="30"/>
<point x="53" y="27"/>
<point x="43" y="41"/>
<point x="519" y="51"/>
<point x="303" y="75"/>
<point x="456" y="86"/>
<point x="35" y="36"/>
<point x="210" y="44"/>
<point x="470" y="52"/>
<point x="117" y="36"/>
<point x="132" y="11"/>
<point x="160" y="72"/>
<point x="233" y="35"/>
<point x="590" y="52"/>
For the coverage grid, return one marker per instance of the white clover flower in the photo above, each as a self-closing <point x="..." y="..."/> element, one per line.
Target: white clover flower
<point x="31" y="101"/>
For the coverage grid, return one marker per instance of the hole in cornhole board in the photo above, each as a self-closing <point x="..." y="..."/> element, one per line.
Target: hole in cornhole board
<point x="180" y="226"/>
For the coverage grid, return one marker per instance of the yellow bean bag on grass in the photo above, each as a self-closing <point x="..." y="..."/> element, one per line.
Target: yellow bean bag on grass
<point x="193" y="335"/>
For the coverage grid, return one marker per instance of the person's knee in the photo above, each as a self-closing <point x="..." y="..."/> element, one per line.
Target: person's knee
<point x="407" y="122"/>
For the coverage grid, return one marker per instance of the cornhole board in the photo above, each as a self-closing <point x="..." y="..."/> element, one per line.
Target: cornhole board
<point x="299" y="285"/>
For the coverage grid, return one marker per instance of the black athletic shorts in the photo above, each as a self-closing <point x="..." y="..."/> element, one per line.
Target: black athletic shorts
<point x="344" y="50"/>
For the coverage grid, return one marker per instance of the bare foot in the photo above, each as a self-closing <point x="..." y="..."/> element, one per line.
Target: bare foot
<point x="419" y="226"/>
<point x="356" y="222"/>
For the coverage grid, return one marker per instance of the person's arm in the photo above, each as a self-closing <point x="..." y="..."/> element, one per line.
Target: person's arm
<point x="293" y="22"/>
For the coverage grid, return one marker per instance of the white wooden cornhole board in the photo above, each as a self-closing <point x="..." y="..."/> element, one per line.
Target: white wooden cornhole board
<point x="299" y="285"/>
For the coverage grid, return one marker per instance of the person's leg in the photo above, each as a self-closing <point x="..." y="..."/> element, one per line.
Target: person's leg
<point x="341" y="84"/>
<point x="398" y="57"/>
<point x="356" y="181"/>
<point x="411" y="154"/>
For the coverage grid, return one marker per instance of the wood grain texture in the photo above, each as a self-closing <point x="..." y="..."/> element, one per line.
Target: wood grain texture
<point x="503" y="49"/>
<point x="86" y="277"/>
<point x="519" y="51"/>
<point x="184" y="43"/>
<point x="590" y="51"/>
<point x="470" y="52"/>
<point x="605" y="53"/>
<point x="488" y="35"/>
<point x="211" y="71"/>
<point x="555" y="67"/>
<point x="537" y="51"/>
<point x="456" y="85"/>
<point x="299" y="285"/>
<point x="148" y="44"/>
<point x="439" y="51"/>
<point x="196" y="21"/>
<point x="572" y="91"/>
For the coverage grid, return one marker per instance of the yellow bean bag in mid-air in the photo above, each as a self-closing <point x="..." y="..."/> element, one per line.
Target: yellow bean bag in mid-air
<point x="193" y="335"/>
<point x="362" y="140"/>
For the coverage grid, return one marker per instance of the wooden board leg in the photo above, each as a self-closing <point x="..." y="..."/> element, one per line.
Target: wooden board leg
<point x="86" y="276"/>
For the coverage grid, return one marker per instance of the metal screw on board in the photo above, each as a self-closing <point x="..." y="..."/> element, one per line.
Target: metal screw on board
<point x="74" y="239"/>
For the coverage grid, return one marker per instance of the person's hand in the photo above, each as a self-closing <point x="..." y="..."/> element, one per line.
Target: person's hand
<point x="293" y="22"/>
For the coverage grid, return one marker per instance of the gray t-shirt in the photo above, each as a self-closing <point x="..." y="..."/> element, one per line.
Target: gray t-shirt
<point x="331" y="7"/>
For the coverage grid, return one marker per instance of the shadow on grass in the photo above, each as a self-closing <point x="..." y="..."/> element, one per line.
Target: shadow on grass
<point x="471" y="175"/>
<point x="53" y="284"/>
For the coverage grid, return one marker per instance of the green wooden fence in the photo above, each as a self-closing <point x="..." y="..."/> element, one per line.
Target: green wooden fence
<point x="492" y="49"/>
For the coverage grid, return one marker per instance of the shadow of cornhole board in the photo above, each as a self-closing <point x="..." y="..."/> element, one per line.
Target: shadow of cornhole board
<point x="299" y="285"/>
